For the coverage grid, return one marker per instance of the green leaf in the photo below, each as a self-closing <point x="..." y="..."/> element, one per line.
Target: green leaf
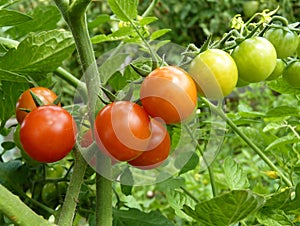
<point x="135" y="217"/>
<point x="43" y="18"/>
<point x="125" y="10"/>
<point x="101" y="19"/>
<point x="191" y="164"/>
<point x="113" y="64"/>
<point x="226" y="209"/>
<point x="283" y="111"/>
<point x="12" y="174"/>
<point x="293" y="207"/>
<point x="12" y="17"/>
<point x="274" y="218"/>
<point x="38" y="54"/>
<point x="281" y="86"/>
<point x="9" y="94"/>
<point x="289" y="139"/>
<point x="7" y="145"/>
<point x="11" y="76"/>
<point x="126" y="181"/>
<point x="159" y="33"/>
<point x="171" y="184"/>
<point x="235" y="177"/>
<point x="147" y="20"/>
<point x="273" y="126"/>
<point x="177" y="200"/>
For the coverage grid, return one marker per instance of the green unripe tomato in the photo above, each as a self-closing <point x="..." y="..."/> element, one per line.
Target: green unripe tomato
<point x="215" y="73"/>
<point x="250" y="7"/>
<point x="291" y="74"/>
<point x="298" y="49"/>
<point x="280" y="65"/>
<point x="284" y="40"/>
<point x="255" y="59"/>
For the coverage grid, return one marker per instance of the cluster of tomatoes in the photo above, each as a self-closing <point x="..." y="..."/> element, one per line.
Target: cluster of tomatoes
<point x="254" y="59"/>
<point x="137" y="133"/>
<point x="127" y="131"/>
<point x="48" y="131"/>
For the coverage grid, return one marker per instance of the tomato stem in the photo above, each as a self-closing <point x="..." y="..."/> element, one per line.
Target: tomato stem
<point x="75" y="16"/>
<point x="250" y="143"/>
<point x="69" y="205"/>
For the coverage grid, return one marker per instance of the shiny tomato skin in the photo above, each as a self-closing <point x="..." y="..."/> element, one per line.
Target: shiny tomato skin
<point x="122" y="130"/>
<point x="25" y="101"/>
<point x="169" y="93"/>
<point x="255" y="59"/>
<point x="277" y="72"/>
<point x="158" y="149"/>
<point x="215" y="73"/>
<point x="291" y="74"/>
<point x="48" y="133"/>
<point x="284" y="40"/>
<point x="298" y="48"/>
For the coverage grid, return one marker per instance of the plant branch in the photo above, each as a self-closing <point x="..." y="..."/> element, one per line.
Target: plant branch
<point x="250" y="143"/>
<point x="70" y="203"/>
<point x="12" y="206"/>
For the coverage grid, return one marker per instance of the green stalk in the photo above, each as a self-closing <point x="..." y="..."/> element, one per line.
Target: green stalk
<point x="12" y="206"/>
<point x="75" y="17"/>
<point x="250" y="143"/>
<point x="209" y="167"/>
<point x="69" y="206"/>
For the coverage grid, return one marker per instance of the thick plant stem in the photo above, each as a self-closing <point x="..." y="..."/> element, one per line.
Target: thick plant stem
<point x="70" y="202"/>
<point x="250" y="143"/>
<point x="75" y="17"/>
<point x="12" y="206"/>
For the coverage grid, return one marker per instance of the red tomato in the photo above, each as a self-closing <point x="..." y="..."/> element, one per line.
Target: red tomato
<point x="122" y="130"/>
<point x="158" y="149"/>
<point x="25" y="101"/>
<point x="48" y="133"/>
<point x="169" y="93"/>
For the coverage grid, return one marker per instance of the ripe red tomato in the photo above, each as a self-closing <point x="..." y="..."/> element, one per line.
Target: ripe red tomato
<point x="255" y="59"/>
<point x="284" y="40"/>
<point x="122" y="130"/>
<point x="215" y="73"/>
<point x="292" y="74"/>
<point x="25" y="101"/>
<point x="169" y="93"/>
<point x="158" y="149"/>
<point x="48" y="133"/>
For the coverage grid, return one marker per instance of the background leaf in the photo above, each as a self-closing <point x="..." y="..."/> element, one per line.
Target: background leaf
<point x="9" y="94"/>
<point x="226" y="209"/>
<point x="125" y="10"/>
<point x="43" y="18"/>
<point x="38" y="54"/>
<point x="135" y="217"/>
<point x="12" y="17"/>
<point x="234" y="175"/>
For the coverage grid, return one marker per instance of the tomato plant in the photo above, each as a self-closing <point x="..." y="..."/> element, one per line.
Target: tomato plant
<point x="27" y="103"/>
<point x="292" y="74"/>
<point x="158" y="148"/>
<point x="215" y="73"/>
<point x="284" y="40"/>
<point x="169" y="93"/>
<point x="255" y="59"/>
<point x="277" y="72"/>
<point x="48" y="133"/>
<point x="122" y="130"/>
